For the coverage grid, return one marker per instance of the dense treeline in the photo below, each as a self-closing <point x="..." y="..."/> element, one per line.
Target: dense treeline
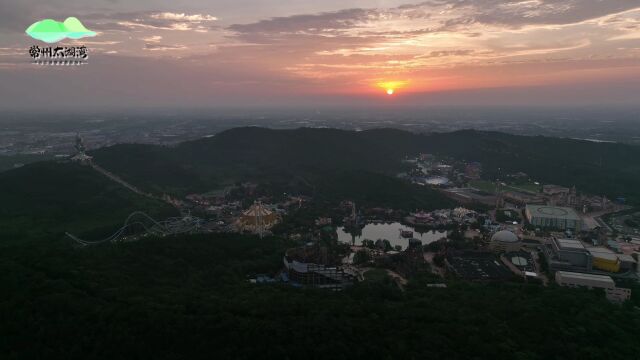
<point x="188" y="297"/>
<point x="48" y="198"/>
<point x="9" y="162"/>
<point x="289" y="155"/>
<point x="369" y="189"/>
<point x="609" y="169"/>
<point x="252" y="154"/>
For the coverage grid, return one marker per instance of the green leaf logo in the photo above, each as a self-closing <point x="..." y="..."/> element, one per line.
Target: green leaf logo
<point x="51" y="31"/>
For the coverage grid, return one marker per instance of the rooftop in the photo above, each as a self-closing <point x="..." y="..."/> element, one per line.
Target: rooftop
<point x="603" y="253"/>
<point x="257" y="209"/>
<point x="570" y="244"/>
<point x="553" y="212"/>
<point x="313" y="254"/>
<point x="627" y="258"/>
<point x="587" y="277"/>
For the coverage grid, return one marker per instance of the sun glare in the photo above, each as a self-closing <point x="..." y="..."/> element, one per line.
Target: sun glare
<point x="390" y="87"/>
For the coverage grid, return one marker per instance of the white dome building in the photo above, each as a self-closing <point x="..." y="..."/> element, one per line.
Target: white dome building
<point x="505" y="241"/>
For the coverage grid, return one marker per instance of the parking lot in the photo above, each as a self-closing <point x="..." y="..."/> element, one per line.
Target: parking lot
<point x="471" y="265"/>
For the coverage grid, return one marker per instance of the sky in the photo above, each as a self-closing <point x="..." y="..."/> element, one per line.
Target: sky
<point x="191" y="53"/>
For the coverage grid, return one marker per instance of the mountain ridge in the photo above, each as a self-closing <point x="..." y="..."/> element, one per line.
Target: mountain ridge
<point x="244" y="153"/>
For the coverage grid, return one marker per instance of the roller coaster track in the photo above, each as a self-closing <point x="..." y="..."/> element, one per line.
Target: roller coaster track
<point x="170" y="226"/>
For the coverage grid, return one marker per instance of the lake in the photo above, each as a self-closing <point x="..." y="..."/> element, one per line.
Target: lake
<point x="437" y="180"/>
<point x="391" y="232"/>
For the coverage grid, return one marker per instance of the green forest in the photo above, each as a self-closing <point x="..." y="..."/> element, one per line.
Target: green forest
<point x="50" y="198"/>
<point x="308" y="156"/>
<point x="188" y="298"/>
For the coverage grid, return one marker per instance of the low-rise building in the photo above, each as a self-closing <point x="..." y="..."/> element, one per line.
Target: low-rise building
<point x="591" y="281"/>
<point x="552" y="190"/>
<point x="568" y="254"/>
<point x="604" y="259"/>
<point x="553" y="217"/>
<point x="313" y="266"/>
<point x="521" y="198"/>
<point x="627" y="262"/>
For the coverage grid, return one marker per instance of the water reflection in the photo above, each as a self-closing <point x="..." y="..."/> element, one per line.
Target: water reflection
<point x="391" y="232"/>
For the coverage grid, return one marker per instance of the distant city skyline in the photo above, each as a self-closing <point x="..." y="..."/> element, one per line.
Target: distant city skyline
<point x="185" y="53"/>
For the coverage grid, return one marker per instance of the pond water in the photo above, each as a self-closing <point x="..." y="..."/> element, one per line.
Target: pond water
<point x="437" y="180"/>
<point x="391" y="232"/>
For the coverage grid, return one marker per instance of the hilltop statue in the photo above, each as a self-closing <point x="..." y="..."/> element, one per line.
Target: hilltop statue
<point x="79" y="146"/>
<point x="80" y="155"/>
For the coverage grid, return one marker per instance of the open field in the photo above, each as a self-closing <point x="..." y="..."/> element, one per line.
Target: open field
<point x="490" y="187"/>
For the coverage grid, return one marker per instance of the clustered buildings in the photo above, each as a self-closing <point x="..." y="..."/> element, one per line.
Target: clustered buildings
<point x="442" y="217"/>
<point x="573" y="255"/>
<point x="502" y="249"/>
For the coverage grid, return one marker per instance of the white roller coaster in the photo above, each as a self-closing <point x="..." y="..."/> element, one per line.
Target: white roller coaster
<point x="170" y="226"/>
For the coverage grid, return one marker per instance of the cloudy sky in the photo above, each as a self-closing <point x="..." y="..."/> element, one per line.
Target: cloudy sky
<point x="307" y="52"/>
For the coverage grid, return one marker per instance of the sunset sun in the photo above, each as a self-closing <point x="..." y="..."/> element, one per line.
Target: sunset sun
<point x="390" y="87"/>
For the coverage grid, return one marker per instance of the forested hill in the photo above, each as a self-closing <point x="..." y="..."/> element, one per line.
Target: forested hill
<point x="47" y="199"/>
<point x="278" y="155"/>
<point x="257" y="154"/>
<point x="609" y="169"/>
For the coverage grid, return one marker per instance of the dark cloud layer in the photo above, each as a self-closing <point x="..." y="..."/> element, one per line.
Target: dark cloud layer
<point x="499" y="12"/>
<point x="547" y="12"/>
